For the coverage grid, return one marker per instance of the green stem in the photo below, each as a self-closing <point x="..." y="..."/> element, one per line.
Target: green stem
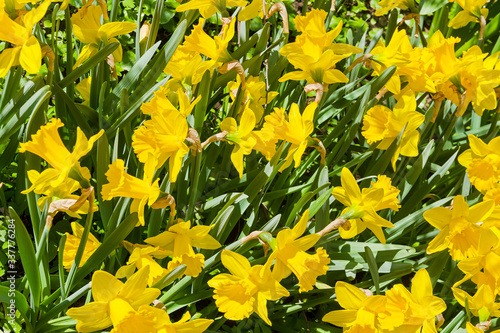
<point x="492" y="132"/>
<point x="193" y="192"/>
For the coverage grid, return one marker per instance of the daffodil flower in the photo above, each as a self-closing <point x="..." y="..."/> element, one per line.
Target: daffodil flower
<point x="484" y="268"/>
<point x="388" y="5"/>
<point x="126" y="319"/>
<point x="459" y="227"/>
<point x="247" y="289"/>
<point x="482" y="304"/>
<point x="360" y="311"/>
<point x="186" y="66"/>
<point x="72" y="243"/>
<point x="297" y="132"/>
<point x="208" y="8"/>
<point x="255" y="94"/>
<point x="314" y="52"/>
<point x="361" y="207"/>
<point x="390" y="199"/>
<point x="472" y="12"/>
<point x="106" y="290"/>
<point x="382" y="124"/>
<point x="241" y="136"/>
<point x="289" y="252"/>
<point x="428" y="304"/>
<point x="121" y="184"/>
<point x="140" y="256"/>
<point x="475" y="78"/>
<point x="397" y="311"/>
<point x="214" y="48"/>
<point x="27" y="50"/>
<point x="482" y="161"/>
<point x="47" y="144"/>
<point x="161" y="103"/>
<point x="88" y="29"/>
<point x="180" y="239"/>
<point x="164" y="137"/>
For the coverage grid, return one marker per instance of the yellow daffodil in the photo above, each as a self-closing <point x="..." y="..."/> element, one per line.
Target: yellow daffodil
<point x="142" y="255"/>
<point x="47" y="144"/>
<point x="429" y="305"/>
<point x="241" y="136"/>
<point x="314" y="52"/>
<point x="214" y="48"/>
<point x="246" y="290"/>
<point x="291" y="257"/>
<point x="88" y="29"/>
<point x="255" y="94"/>
<point x="314" y="40"/>
<point x="361" y="207"/>
<point x="27" y="50"/>
<point x="186" y="66"/>
<point x="475" y="79"/>
<point x="460" y="227"/>
<point x="388" y="5"/>
<point x="390" y="199"/>
<point x="411" y="65"/>
<point x="472" y="12"/>
<point x="482" y="304"/>
<point x="72" y="243"/>
<point x="163" y="137"/>
<point x="298" y="131"/>
<point x="360" y="311"/>
<point x="161" y="103"/>
<point x="312" y="70"/>
<point x="106" y="289"/>
<point x="397" y="311"/>
<point x="143" y="191"/>
<point x="482" y="161"/>
<point x="180" y="240"/>
<point x="254" y="9"/>
<point x="265" y="142"/>
<point x="382" y="124"/>
<point x="484" y="268"/>
<point x="208" y="8"/>
<point x="149" y="319"/>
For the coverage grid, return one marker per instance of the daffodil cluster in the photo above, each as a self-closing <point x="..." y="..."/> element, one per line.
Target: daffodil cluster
<point x="126" y="307"/>
<point x="247" y="289"/>
<point x="399" y="310"/>
<point x="472" y="237"/>
<point x="470" y="78"/>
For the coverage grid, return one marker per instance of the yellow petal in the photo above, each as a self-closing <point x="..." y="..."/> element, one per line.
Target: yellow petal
<point x="350" y="185"/>
<point x="229" y="125"/>
<point x="91" y="317"/>
<point x="349" y="296"/>
<point x="113" y="29"/>
<point x="31" y="56"/>
<point x="8" y="59"/>
<point x="236" y="263"/>
<point x="342" y="318"/>
<point x="105" y="286"/>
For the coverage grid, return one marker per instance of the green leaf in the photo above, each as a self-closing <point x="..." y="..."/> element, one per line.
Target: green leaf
<point x="7" y="296"/>
<point x="88" y="65"/>
<point x="130" y="80"/>
<point x="27" y="254"/>
<point x="23" y="112"/>
<point x="372" y="264"/>
<point x="428" y="7"/>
